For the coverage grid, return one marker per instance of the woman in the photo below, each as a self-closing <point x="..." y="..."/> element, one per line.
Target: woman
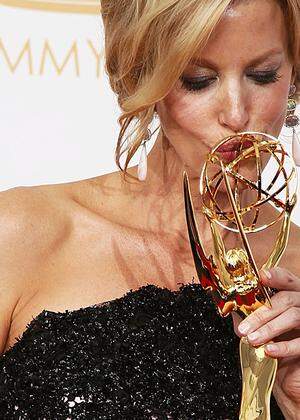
<point x="208" y="69"/>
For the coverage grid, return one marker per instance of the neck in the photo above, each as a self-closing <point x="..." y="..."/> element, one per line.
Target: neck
<point x="162" y="193"/>
<point x="157" y="204"/>
<point x="165" y="172"/>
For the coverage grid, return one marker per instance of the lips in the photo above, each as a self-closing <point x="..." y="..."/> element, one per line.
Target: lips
<point x="230" y="150"/>
<point x="228" y="156"/>
<point x="234" y="146"/>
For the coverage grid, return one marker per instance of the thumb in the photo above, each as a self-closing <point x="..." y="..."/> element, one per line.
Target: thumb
<point x="236" y="322"/>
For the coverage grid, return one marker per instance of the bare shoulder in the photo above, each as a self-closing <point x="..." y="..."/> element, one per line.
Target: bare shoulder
<point x="30" y="224"/>
<point x="30" y="220"/>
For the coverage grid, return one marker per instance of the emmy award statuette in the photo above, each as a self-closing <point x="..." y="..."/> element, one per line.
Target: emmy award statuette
<point x="235" y="194"/>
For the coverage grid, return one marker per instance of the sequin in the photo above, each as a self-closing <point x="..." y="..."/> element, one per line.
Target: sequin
<point x="151" y="354"/>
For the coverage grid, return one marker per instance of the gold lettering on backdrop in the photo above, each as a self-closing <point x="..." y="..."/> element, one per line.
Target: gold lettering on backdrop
<point x="26" y="54"/>
<point x="47" y="49"/>
<point x="26" y="48"/>
<point x="65" y="6"/>
<point x="98" y="57"/>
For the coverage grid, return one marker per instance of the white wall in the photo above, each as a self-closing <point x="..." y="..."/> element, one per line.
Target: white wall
<point x="56" y="125"/>
<point x="57" y="122"/>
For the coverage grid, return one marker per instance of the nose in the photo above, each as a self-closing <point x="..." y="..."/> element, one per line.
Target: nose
<point x="233" y="113"/>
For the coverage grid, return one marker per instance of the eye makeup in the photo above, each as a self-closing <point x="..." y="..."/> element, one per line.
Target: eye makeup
<point x="260" y="77"/>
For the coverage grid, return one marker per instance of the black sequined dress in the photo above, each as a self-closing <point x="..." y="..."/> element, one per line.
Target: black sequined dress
<point x="151" y="354"/>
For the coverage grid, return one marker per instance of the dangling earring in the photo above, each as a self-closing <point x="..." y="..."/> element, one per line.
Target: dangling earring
<point x="292" y="121"/>
<point x="142" y="166"/>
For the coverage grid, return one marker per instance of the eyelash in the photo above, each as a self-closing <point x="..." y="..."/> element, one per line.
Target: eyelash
<point x="261" y="78"/>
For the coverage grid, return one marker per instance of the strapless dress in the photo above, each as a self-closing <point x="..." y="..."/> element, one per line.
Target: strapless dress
<point x="151" y="354"/>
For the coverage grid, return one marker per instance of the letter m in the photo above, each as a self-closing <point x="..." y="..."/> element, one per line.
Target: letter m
<point x="48" y="51"/>
<point x="26" y="50"/>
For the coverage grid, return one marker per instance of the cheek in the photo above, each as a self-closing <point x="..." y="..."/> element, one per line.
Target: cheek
<point x="270" y="107"/>
<point x="183" y="111"/>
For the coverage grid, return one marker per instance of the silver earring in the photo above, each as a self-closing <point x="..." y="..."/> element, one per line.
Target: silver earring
<point x="142" y="166"/>
<point x="292" y="121"/>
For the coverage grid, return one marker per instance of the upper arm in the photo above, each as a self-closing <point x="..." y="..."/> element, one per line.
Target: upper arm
<point x="290" y="259"/>
<point x="10" y="246"/>
<point x="25" y="232"/>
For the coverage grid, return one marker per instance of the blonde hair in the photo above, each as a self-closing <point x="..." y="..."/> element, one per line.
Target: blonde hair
<point x="147" y="47"/>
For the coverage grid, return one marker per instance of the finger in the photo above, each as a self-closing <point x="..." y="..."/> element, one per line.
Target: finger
<point x="289" y="335"/>
<point x="287" y="321"/>
<point x="284" y="348"/>
<point x="280" y="279"/>
<point x="281" y="302"/>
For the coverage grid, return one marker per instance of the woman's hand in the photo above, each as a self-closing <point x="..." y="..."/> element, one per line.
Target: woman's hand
<point x="280" y="324"/>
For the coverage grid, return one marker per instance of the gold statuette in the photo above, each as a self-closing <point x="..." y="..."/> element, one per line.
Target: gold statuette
<point x="239" y="196"/>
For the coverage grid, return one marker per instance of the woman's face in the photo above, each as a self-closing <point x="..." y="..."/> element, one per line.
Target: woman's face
<point x="240" y="83"/>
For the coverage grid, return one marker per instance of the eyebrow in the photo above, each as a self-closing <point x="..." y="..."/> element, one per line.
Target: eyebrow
<point x="254" y="62"/>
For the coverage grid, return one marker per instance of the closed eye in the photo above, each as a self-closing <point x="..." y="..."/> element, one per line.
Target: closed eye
<point x="261" y="78"/>
<point x="265" y="77"/>
<point x="197" y="83"/>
